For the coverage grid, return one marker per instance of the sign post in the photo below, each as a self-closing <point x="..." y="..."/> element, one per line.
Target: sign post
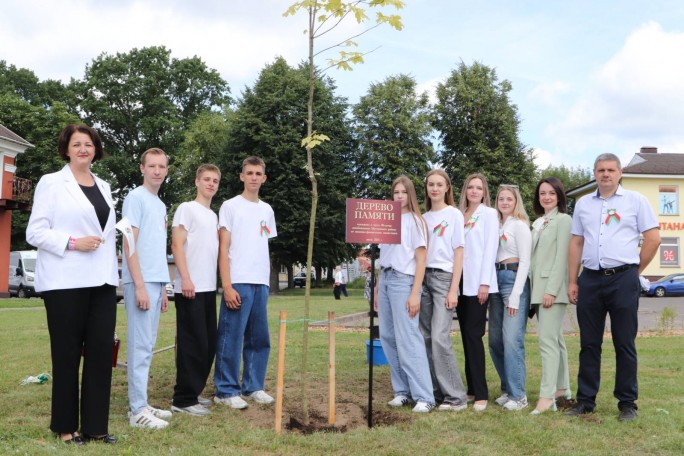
<point x="373" y="222"/>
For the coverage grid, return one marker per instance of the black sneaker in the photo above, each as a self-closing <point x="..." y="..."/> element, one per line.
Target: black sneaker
<point x="580" y="408"/>
<point x="627" y="414"/>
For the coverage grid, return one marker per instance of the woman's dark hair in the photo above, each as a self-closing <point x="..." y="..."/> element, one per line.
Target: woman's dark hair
<point x="560" y="194"/>
<point x="65" y="137"/>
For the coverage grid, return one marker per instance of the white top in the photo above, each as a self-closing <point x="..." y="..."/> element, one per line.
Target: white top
<point x="251" y="225"/>
<point x="479" y="253"/>
<point x="61" y="210"/>
<point x="147" y="212"/>
<point x="445" y="229"/>
<point x="201" y="245"/>
<point x="515" y="241"/>
<point x="338" y="277"/>
<point x="611" y="227"/>
<point x="402" y="257"/>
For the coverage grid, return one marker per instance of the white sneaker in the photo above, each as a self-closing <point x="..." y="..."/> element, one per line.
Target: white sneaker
<point x="501" y="400"/>
<point x="197" y="410"/>
<point x="399" y="401"/>
<point x="203" y="401"/>
<point x="146" y="419"/>
<point x="235" y="402"/>
<point x="516" y="405"/>
<point x="261" y="397"/>
<point x="452" y="406"/>
<point x="422" y="407"/>
<point x="163" y="414"/>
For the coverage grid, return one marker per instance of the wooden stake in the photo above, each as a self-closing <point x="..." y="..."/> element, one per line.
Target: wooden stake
<point x="331" y="368"/>
<point x="281" y="373"/>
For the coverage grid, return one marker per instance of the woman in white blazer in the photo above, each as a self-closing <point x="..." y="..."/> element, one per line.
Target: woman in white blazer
<point x="72" y="226"/>
<point x="479" y="280"/>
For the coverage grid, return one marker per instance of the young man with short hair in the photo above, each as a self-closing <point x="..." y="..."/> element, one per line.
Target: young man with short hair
<point x="246" y="224"/>
<point x="145" y="275"/>
<point x="194" y="243"/>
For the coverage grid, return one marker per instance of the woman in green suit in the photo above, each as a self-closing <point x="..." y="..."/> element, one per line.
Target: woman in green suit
<point x="549" y="272"/>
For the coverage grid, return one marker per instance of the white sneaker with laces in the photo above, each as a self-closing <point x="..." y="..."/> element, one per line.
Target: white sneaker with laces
<point x="501" y="400"/>
<point x="197" y="410"/>
<point x="146" y="419"/>
<point x="399" y="401"/>
<point x="203" y="401"/>
<point x="516" y="405"/>
<point x="422" y="407"/>
<point x="452" y="406"/>
<point x="261" y="397"/>
<point x="163" y="414"/>
<point x="235" y="402"/>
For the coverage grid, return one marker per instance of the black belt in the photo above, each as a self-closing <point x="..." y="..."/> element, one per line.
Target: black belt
<point x="435" y="270"/>
<point x="506" y="266"/>
<point x="612" y="271"/>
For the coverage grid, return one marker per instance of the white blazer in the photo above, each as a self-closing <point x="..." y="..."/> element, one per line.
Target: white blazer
<point x="479" y="252"/>
<point x="60" y="211"/>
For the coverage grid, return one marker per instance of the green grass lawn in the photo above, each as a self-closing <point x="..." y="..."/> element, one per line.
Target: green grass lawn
<point x="25" y="410"/>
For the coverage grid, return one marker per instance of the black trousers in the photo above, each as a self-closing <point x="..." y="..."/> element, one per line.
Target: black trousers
<point x="81" y="319"/>
<point x="472" y="318"/>
<point x="618" y="296"/>
<point x="195" y="345"/>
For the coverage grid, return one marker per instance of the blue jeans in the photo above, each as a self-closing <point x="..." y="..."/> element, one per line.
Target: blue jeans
<point x="401" y="339"/>
<point x="243" y="333"/>
<point x="507" y="335"/>
<point x="141" y="335"/>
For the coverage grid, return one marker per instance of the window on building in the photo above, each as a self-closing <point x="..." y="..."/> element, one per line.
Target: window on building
<point x="669" y="252"/>
<point x="668" y="200"/>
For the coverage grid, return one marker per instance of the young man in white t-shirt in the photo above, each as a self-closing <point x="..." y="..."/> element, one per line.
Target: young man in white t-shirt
<point x="245" y="225"/>
<point x="194" y="243"/>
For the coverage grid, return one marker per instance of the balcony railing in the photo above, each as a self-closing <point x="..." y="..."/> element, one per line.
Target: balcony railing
<point x="22" y="189"/>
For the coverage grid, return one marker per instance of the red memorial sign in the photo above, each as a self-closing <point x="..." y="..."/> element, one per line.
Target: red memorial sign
<point x="373" y="221"/>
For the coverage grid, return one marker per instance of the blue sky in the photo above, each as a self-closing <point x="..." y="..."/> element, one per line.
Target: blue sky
<point x="588" y="77"/>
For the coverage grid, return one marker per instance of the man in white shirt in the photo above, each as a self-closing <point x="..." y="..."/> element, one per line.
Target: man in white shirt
<point x="194" y="243"/>
<point x="246" y="224"/>
<point x="606" y="229"/>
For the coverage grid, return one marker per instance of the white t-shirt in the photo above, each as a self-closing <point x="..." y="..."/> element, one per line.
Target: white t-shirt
<point x="201" y="245"/>
<point x="402" y="257"/>
<point x="251" y="225"/>
<point x="515" y="241"/>
<point x="445" y="228"/>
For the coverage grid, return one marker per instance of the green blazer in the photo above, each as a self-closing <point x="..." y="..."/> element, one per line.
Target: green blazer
<point x="549" y="266"/>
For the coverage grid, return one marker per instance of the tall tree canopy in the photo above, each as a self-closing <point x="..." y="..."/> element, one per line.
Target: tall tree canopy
<point x="269" y="122"/>
<point x="478" y="128"/>
<point x="392" y="126"/>
<point x="141" y="99"/>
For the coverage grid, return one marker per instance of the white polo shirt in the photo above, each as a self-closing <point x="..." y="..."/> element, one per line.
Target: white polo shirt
<point x="611" y="227"/>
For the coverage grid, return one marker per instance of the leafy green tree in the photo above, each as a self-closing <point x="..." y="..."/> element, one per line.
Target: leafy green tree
<point x="478" y="128"/>
<point x="325" y="16"/>
<point x="269" y="122"/>
<point x="145" y="98"/>
<point x="392" y="126"/>
<point x="571" y="176"/>
<point x="24" y="84"/>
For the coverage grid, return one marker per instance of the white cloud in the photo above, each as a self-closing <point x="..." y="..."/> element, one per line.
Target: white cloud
<point x="636" y="98"/>
<point x="235" y="45"/>
<point x="542" y="158"/>
<point x="430" y="87"/>
<point x="548" y="92"/>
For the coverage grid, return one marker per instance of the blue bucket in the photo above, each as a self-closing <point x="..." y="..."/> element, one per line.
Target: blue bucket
<point x="379" y="358"/>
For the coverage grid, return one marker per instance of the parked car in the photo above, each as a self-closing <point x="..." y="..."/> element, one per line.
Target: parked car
<point x="670" y="285"/>
<point x="22" y="270"/>
<point x="300" y="279"/>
